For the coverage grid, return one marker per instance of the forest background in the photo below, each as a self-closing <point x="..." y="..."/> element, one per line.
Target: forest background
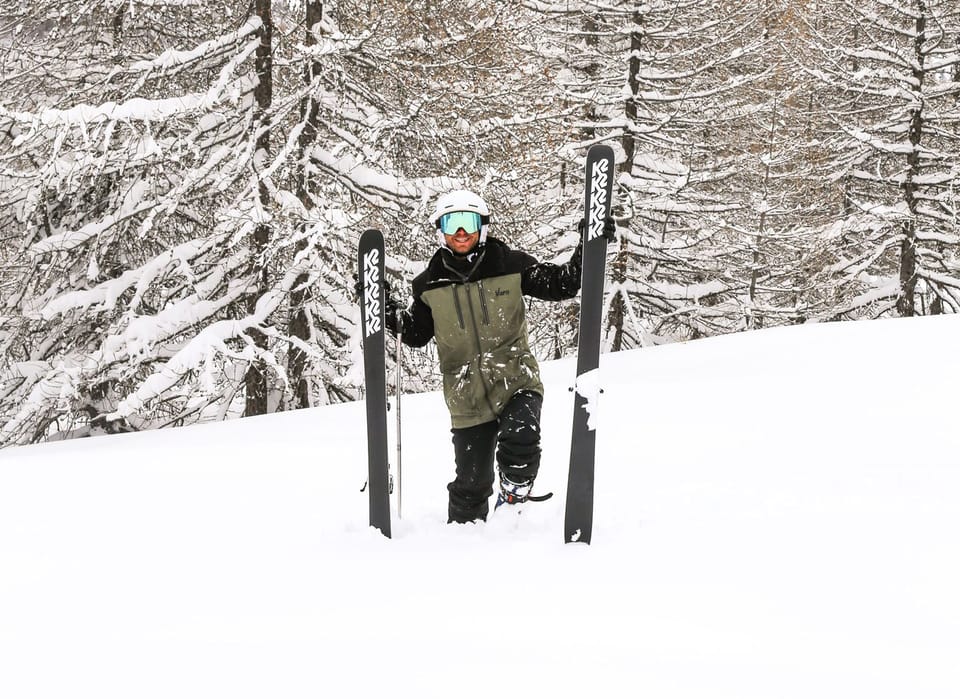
<point x="182" y="183"/>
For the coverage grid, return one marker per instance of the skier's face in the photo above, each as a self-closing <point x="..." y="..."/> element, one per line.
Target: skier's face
<point x="462" y="242"/>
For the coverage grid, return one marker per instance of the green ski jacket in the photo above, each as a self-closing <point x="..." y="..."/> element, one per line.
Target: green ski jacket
<point x="473" y="307"/>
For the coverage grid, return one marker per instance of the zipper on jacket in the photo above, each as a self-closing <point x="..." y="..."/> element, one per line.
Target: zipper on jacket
<point x="456" y="303"/>
<point x="476" y="337"/>
<point x="483" y="304"/>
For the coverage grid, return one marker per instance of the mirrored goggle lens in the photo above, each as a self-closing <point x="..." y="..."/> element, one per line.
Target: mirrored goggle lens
<point x="453" y="222"/>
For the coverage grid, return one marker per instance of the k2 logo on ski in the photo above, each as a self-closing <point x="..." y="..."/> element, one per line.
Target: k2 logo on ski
<point x="371" y="285"/>
<point x="598" y="198"/>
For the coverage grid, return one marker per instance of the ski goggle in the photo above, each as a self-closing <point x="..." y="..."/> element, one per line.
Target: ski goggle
<point x="450" y="223"/>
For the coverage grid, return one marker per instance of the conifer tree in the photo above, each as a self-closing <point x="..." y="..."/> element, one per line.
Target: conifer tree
<point x="890" y="106"/>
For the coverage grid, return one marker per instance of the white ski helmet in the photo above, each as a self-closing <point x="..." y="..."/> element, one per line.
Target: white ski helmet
<point x="461" y="200"/>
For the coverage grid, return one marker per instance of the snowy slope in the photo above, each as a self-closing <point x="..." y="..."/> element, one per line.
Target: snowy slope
<point x="777" y="515"/>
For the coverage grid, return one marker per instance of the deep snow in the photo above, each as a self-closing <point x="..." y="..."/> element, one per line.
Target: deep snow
<point x="776" y="516"/>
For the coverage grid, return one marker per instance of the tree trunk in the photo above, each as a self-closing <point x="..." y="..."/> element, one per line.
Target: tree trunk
<point x="620" y="264"/>
<point x="754" y="319"/>
<point x="299" y="322"/>
<point x="591" y="30"/>
<point x="256" y="377"/>
<point x="906" y="304"/>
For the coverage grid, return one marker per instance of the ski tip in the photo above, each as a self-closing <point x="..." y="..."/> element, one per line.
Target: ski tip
<point x="371" y="236"/>
<point x="600" y="150"/>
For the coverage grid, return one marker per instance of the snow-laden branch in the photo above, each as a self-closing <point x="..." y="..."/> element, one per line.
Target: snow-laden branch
<point x="172" y="60"/>
<point x="212" y="340"/>
<point x="379" y="188"/>
<point x="103" y="297"/>
<point x="877" y="143"/>
<point x="132" y="209"/>
<point x="138" y="108"/>
<point x="882" y="289"/>
<point x="73" y="239"/>
<point x="64" y="379"/>
<point x="678" y="292"/>
<point x="332" y="42"/>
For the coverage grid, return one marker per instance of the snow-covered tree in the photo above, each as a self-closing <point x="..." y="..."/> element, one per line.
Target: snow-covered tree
<point x="673" y="94"/>
<point x="768" y="246"/>
<point x="189" y="222"/>
<point x="182" y="184"/>
<point x="891" y="94"/>
<point x="130" y="197"/>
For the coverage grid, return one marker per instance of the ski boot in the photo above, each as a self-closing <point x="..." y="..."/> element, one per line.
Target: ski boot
<point x="513" y="493"/>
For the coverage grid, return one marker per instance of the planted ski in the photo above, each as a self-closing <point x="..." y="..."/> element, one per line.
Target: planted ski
<point x="370" y="258"/>
<point x="598" y="195"/>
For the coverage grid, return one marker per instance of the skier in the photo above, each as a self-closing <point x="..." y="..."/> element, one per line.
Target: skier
<point x="469" y="300"/>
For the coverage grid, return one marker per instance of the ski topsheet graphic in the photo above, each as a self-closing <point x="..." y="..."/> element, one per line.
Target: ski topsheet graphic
<point x="598" y="195"/>
<point x="370" y="270"/>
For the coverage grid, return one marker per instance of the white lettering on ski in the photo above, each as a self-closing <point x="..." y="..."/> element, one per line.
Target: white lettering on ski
<point x="598" y="198"/>
<point x="371" y="296"/>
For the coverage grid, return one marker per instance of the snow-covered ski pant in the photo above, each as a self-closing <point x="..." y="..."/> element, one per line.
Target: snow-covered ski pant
<point x="515" y="440"/>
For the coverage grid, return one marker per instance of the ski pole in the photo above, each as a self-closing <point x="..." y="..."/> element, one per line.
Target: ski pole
<point x="399" y="471"/>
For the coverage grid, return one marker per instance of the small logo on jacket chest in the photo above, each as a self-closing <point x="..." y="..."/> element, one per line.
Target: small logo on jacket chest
<point x="502" y="292"/>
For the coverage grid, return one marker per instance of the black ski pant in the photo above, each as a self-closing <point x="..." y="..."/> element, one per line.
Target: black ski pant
<point x="515" y="439"/>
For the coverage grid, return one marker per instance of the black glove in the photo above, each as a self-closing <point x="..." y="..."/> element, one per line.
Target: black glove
<point x="392" y="313"/>
<point x="609" y="228"/>
<point x="359" y="289"/>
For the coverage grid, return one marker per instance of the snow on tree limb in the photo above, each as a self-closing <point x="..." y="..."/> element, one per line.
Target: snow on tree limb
<point x="104" y="296"/>
<point x="212" y="340"/>
<point x="172" y="60"/>
<point x="377" y="187"/>
<point x="137" y="108"/>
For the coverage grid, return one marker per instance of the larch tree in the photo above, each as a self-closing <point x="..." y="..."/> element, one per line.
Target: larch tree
<point x="127" y="163"/>
<point x="182" y="185"/>
<point x="188" y="197"/>
<point x="672" y="92"/>
<point x="892" y="124"/>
